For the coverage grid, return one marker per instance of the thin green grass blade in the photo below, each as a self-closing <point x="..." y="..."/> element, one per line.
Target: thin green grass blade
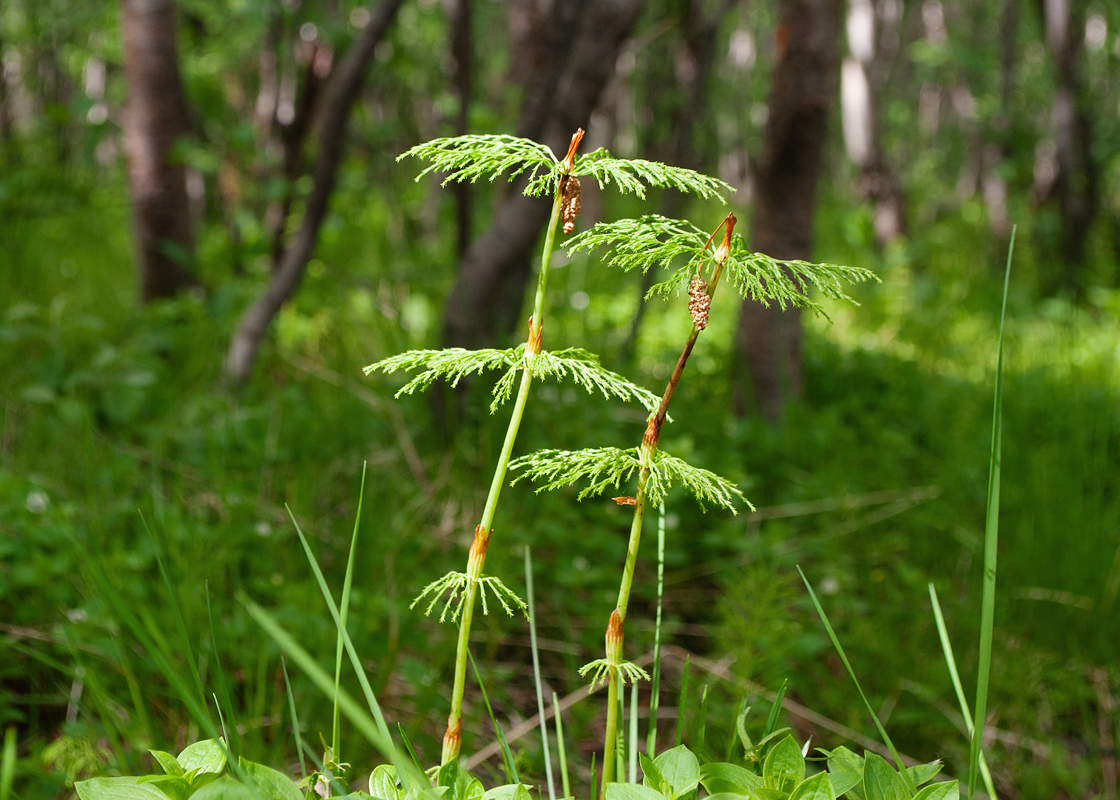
<point x="223" y="688"/>
<point x="180" y="623"/>
<point x="991" y="541"/>
<point x="682" y="703"/>
<point x="355" y="661"/>
<point x="162" y="659"/>
<point x="851" y="672"/>
<point x="344" y="607"/>
<point x="632" y="743"/>
<point x="537" y="672"/>
<point x="369" y="727"/>
<point x="562" y="751"/>
<point x="620" y="742"/>
<point x="655" y="681"/>
<point x="408" y="747"/>
<point x="110" y="721"/>
<point x="594" y="778"/>
<point x="221" y="719"/>
<point x="8" y="763"/>
<point x="507" y="755"/>
<point x="950" y="660"/>
<point x="776" y="709"/>
<point x="699" y="749"/>
<point x="295" y="718"/>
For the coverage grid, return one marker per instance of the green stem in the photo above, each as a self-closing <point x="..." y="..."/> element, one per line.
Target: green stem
<point x="649" y="449"/>
<point x="477" y="557"/>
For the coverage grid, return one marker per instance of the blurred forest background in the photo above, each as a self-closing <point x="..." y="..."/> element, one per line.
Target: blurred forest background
<point x="204" y="236"/>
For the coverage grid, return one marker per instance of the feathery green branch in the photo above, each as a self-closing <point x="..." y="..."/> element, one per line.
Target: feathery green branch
<point x="604" y="467"/>
<point x="641" y="243"/>
<point x="634" y="175"/>
<point x="454" y="364"/>
<point x="765" y="279"/>
<point x="468" y="158"/>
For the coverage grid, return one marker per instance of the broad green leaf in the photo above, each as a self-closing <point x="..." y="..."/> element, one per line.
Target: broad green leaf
<point x="511" y="791"/>
<point x="206" y="756"/>
<point x="924" y="773"/>
<point x="721" y="778"/>
<point x="845" y="770"/>
<point x="845" y="781"/>
<point x="784" y="767"/>
<point x="384" y="784"/>
<point x="225" y="788"/>
<point x="126" y="788"/>
<point x="880" y="781"/>
<point x="817" y="787"/>
<point x="730" y="796"/>
<point x="460" y="783"/>
<point x="168" y="763"/>
<point x="940" y="791"/>
<point x="680" y="769"/>
<point x="354" y="796"/>
<point x="269" y="783"/>
<point x="632" y="791"/>
<point x="173" y="786"/>
<point x="651" y="775"/>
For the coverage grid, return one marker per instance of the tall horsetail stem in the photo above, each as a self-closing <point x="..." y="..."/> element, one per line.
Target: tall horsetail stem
<point x="477" y="556"/>
<point x="700" y="300"/>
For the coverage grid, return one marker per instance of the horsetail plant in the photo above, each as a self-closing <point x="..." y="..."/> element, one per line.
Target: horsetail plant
<point x="641" y="244"/>
<point x="468" y="158"/>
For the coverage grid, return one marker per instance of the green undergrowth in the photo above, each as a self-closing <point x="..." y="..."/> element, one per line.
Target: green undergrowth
<point x="110" y="410"/>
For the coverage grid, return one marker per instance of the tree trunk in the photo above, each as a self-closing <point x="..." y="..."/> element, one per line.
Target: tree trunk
<point x="487" y="297"/>
<point x="463" y="57"/>
<point x="862" y="79"/>
<point x="1075" y="184"/>
<point x="801" y="92"/>
<point x="340" y="95"/>
<point x="155" y="117"/>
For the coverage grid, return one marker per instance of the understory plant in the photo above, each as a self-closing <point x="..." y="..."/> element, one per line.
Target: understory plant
<point x="468" y="158"/>
<point x="772" y="765"/>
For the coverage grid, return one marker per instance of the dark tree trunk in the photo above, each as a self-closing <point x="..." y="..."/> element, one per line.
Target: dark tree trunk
<point x="155" y="117"/>
<point x="1076" y="184"/>
<point x="586" y="38"/>
<point x="463" y="57"/>
<point x="694" y="60"/>
<point x="337" y="102"/>
<point x="802" y="88"/>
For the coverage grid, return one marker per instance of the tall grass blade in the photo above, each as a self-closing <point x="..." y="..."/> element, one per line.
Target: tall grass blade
<point x="344" y="607"/>
<point x="776" y="709"/>
<point x="537" y="672"/>
<point x="561" y="750"/>
<point x="507" y="755"/>
<point x="851" y="672"/>
<point x="655" y="681"/>
<point x="682" y="703"/>
<point x="408" y="747"/>
<point x="632" y="743"/>
<point x="295" y="718"/>
<point x="221" y="719"/>
<point x="355" y="661"/>
<point x="699" y="749"/>
<point x="369" y="727"/>
<point x="180" y="623"/>
<point x="223" y="688"/>
<point x="594" y="778"/>
<point x="991" y="540"/>
<point x="8" y="763"/>
<point x="950" y="660"/>
<point x="620" y="742"/>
